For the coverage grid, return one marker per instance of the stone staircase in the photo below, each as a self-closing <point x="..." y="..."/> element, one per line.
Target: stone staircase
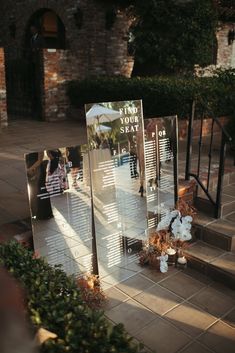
<point x="212" y="251"/>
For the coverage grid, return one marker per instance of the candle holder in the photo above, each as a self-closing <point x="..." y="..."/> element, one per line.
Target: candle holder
<point x="171" y="256"/>
<point x="181" y="262"/>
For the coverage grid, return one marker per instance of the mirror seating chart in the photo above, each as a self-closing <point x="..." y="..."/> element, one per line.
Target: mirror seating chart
<point x="93" y="206"/>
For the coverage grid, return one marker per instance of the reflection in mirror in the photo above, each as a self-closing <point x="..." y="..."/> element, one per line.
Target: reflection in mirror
<point x="116" y="144"/>
<point x="161" y="167"/>
<point x="60" y="203"/>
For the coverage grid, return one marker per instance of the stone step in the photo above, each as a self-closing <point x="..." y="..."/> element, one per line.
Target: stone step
<point x="212" y="262"/>
<point x="216" y="232"/>
<point x="228" y="179"/>
<point x="227" y="202"/>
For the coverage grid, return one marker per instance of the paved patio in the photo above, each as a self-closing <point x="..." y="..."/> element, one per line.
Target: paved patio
<point x="175" y="312"/>
<point x="181" y="311"/>
<point x="23" y="137"/>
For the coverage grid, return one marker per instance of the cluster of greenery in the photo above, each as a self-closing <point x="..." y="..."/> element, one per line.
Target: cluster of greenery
<point x="171" y="36"/>
<point x="161" y="96"/>
<point x="54" y="302"/>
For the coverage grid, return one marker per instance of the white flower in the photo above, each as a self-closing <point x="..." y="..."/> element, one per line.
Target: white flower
<point x="165" y="222"/>
<point x="188" y="218"/>
<point x="167" y="219"/>
<point x="181" y="228"/>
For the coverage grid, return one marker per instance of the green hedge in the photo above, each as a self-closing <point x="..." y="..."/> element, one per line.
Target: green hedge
<point x="54" y="302"/>
<point x="161" y="95"/>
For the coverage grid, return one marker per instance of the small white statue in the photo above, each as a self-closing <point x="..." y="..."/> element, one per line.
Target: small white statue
<point x="163" y="262"/>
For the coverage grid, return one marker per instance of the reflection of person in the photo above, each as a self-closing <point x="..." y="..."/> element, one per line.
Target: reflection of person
<point x="73" y="155"/>
<point x="56" y="178"/>
<point x="104" y="143"/>
<point x="111" y="144"/>
<point x="40" y="206"/>
<point x="97" y="140"/>
<point x="44" y="201"/>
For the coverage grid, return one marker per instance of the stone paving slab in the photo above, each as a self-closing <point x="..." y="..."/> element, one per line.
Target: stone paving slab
<point x="220" y="338"/>
<point x="22" y="137"/>
<point x="204" y="251"/>
<point x="226" y="262"/>
<point x="194" y="319"/>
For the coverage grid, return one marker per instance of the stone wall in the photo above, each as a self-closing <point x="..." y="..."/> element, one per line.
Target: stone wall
<point x="98" y="51"/>
<point x="59" y="67"/>
<point x="226" y="52"/>
<point x="3" y="102"/>
<point x="206" y="128"/>
<point x="91" y="48"/>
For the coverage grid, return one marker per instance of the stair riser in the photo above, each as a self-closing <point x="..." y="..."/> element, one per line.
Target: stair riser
<point x="228" y="179"/>
<point x="212" y="271"/>
<point x="211" y="237"/>
<point x="206" y="207"/>
<point x="231" y="178"/>
<point x="227" y="208"/>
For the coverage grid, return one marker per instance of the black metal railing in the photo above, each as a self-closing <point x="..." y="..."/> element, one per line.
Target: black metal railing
<point x="219" y="135"/>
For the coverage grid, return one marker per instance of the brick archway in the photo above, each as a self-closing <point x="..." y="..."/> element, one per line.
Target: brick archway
<point x="50" y="27"/>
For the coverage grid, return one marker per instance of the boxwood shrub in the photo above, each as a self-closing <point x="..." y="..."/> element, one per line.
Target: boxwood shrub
<point x="161" y="95"/>
<point x="54" y="303"/>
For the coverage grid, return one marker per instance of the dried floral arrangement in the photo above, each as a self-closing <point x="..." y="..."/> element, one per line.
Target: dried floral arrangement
<point x="91" y="291"/>
<point x="170" y="238"/>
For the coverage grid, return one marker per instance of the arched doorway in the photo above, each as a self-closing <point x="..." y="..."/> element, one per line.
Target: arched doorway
<point x="50" y="27"/>
<point x="24" y="67"/>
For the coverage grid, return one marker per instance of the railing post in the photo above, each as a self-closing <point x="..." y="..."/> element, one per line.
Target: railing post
<point x="220" y="177"/>
<point x="189" y="143"/>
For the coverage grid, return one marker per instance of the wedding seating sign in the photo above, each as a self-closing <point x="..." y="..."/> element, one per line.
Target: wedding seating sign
<point x="116" y="150"/>
<point x="161" y="165"/>
<point x="93" y="206"/>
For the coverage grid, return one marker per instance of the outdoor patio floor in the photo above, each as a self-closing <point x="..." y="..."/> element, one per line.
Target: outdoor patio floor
<point x="181" y="311"/>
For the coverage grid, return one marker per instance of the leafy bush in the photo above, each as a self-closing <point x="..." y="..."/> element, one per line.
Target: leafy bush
<point x="168" y="35"/>
<point x="161" y="95"/>
<point x="171" y="36"/>
<point x="54" y="303"/>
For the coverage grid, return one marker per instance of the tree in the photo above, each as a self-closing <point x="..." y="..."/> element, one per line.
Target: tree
<point x="171" y="36"/>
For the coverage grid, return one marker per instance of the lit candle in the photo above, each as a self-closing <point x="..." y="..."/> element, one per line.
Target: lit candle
<point x="171" y="256"/>
<point x="171" y="251"/>
<point x="182" y="260"/>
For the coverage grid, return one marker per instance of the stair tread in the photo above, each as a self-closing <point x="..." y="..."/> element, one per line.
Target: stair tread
<point x="222" y="260"/>
<point x="230" y="217"/>
<point x="222" y="226"/>
<point x="212" y="262"/>
<point x="204" y="252"/>
<point x="226" y="263"/>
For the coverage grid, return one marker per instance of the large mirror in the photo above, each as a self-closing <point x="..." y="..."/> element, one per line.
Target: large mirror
<point x="161" y="163"/>
<point x="116" y="144"/>
<point x="60" y="203"/>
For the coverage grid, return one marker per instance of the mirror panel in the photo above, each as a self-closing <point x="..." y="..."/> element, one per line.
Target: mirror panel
<point x="116" y="143"/>
<point x="161" y="167"/>
<point x="60" y="203"/>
